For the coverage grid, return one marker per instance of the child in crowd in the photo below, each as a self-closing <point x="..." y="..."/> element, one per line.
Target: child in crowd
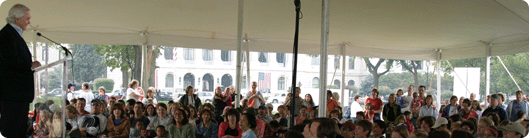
<point x="369" y="113"/>
<point x="360" y="116"/>
<point x="407" y="115"/>
<point x="521" y="114"/>
<point x="136" y="131"/>
<point x="283" y="124"/>
<point x="276" y="116"/>
<point x="160" y="131"/>
<point x="402" y="121"/>
<point x="273" y="127"/>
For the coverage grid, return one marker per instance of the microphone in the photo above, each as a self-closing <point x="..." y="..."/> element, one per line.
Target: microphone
<point x="66" y="51"/>
<point x="298" y="4"/>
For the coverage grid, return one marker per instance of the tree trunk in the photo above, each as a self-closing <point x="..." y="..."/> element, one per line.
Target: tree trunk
<point x="416" y="79"/>
<point x="137" y="63"/>
<point x="375" y="80"/>
<point x="125" y="78"/>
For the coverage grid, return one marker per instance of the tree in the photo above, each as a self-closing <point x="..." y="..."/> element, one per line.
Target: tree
<point x="54" y="80"/>
<point x="366" y="85"/>
<point x="87" y="64"/>
<point x="150" y="66"/>
<point x="373" y="69"/>
<point x="122" y="57"/>
<point x="411" y="66"/>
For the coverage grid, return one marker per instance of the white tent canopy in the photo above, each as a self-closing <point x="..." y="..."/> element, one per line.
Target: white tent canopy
<point x="404" y="29"/>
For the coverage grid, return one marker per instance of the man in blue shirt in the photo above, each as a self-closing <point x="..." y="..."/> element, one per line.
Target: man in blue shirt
<point x="494" y="107"/>
<point x="516" y="106"/>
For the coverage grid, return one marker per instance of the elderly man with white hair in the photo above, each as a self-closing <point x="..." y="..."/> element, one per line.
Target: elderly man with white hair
<point x="16" y="85"/>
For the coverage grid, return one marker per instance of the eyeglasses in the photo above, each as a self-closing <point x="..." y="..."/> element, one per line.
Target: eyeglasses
<point x="95" y="104"/>
<point x="464" y="128"/>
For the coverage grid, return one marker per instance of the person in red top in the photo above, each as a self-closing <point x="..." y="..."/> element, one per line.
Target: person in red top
<point x="465" y="111"/>
<point x="331" y="104"/>
<point x="376" y="102"/>
<point x="81" y="102"/>
<point x="230" y="128"/>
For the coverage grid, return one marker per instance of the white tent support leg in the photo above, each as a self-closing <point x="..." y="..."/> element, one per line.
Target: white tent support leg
<point x="322" y="112"/>
<point x="438" y="78"/>
<point x="343" y="76"/>
<point x="239" y="50"/>
<point x="487" y="77"/>
<point x="247" y="47"/>
<point x="36" y="75"/>
<point x="143" y="73"/>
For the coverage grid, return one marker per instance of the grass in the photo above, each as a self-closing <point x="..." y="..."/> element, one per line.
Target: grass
<point x="56" y="100"/>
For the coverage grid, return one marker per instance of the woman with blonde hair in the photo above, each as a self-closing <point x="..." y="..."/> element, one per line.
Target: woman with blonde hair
<point x="56" y="125"/>
<point x="149" y="95"/>
<point x="43" y="126"/>
<point x="132" y="91"/>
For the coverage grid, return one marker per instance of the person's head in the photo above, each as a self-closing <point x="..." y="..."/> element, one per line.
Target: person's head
<point x="322" y="127"/>
<point x="138" y="108"/>
<point x="262" y="110"/>
<point x="357" y="98"/>
<point x="85" y="86"/>
<point x="418" y="133"/>
<point x="130" y="104"/>
<point x="303" y="111"/>
<point x="308" y="98"/>
<point x="71" y="112"/>
<point x="422" y="89"/>
<point x="150" y="92"/>
<point x="206" y="115"/>
<point x="401" y="119"/>
<point x="472" y="96"/>
<point x="411" y="88"/>
<point x="468" y="127"/>
<point x="150" y="110"/>
<point x="399" y="132"/>
<point x="347" y="129"/>
<point x="392" y="99"/>
<point x="379" y="127"/>
<point x="363" y="129"/>
<point x="117" y="112"/>
<point x="247" y="121"/>
<point x="192" y="111"/>
<point x="513" y="130"/>
<point x="335" y="113"/>
<point x="180" y="117"/>
<point x="519" y="96"/>
<point x="313" y="114"/>
<point x="369" y="106"/>
<point x="427" y="123"/>
<point x="476" y="106"/>
<point x="521" y="114"/>
<point x="160" y="130"/>
<point x="139" y="124"/>
<point x="441" y="124"/>
<point x="490" y="132"/>
<point x="335" y="96"/>
<point x="494" y="117"/>
<point x="483" y="124"/>
<point x="161" y="110"/>
<point x="133" y="84"/>
<point x="329" y="94"/>
<point x="400" y="92"/>
<point x="466" y="105"/>
<point x="298" y="91"/>
<point x="429" y="100"/>
<point x="374" y="93"/>
<point x="274" y="125"/>
<point x="360" y="115"/>
<point x="95" y="106"/>
<point x="439" y="134"/>
<point x="218" y="90"/>
<point x="415" y="95"/>
<point x="102" y="90"/>
<point x="71" y="86"/>
<point x="502" y="98"/>
<point x="19" y="15"/>
<point x="81" y="103"/>
<point x="121" y="102"/>
<point x="282" y="109"/>
<point x="254" y="85"/>
<point x="461" y="100"/>
<point x="454" y="118"/>
<point x="233" y="115"/>
<point x="293" y="134"/>
<point x="453" y="100"/>
<point x="190" y="90"/>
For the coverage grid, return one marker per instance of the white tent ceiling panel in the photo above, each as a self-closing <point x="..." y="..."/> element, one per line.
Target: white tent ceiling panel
<point x="404" y="29"/>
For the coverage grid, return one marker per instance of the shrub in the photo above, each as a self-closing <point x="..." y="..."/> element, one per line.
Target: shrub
<point x="107" y="83"/>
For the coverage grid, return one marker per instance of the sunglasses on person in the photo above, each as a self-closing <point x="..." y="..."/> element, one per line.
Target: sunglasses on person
<point x="95" y="104"/>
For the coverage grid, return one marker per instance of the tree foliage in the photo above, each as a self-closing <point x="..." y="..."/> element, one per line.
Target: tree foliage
<point x="373" y="68"/>
<point x="87" y="64"/>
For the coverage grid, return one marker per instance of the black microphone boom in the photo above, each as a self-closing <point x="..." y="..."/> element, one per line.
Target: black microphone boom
<point x="66" y="51"/>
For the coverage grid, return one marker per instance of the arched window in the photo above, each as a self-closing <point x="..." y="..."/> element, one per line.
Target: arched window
<point x="208" y="82"/>
<point x="189" y="79"/>
<point x="169" y="81"/>
<point x="315" y="82"/>
<point x="337" y="83"/>
<point x="281" y="83"/>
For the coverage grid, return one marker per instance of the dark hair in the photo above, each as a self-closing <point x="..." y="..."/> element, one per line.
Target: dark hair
<point x="495" y="97"/>
<point x="131" y="102"/>
<point x="139" y="121"/>
<point x="495" y="118"/>
<point x="160" y="126"/>
<point x="429" y="120"/>
<point x="470" y="124"/>
<point x="381" y="124"/>
<point x="81" y="99"/>
<point x="251" y="120"/>
<point x="207" y="111"/>
<point x="86" y="85"/>
<point x="162" y="105"/>
<point x="422" y="86"/>
<point x="455" y="118"/>
<point x="366" y="125"/>
<point x="356" y="97"/>
<point x="407" y="113"/>
<point x="326" y="127"/>
<point x="185" y="120"/>
<point x="453" y="97"/>
<point x="329" y="92"/>
<point x="299" y="127"/>
<point x="360" y="113"/>
<point x="273" y="124"/>
<point x="401" y="130"/>
<point x="520" y="114"/>
<point x="250" y="110"/>
<point x="140" y="103"/>
<point x="293" y="134"/>
<point x="233" y="112"/>
<point x="467" y="101"/>
<point x="438" y="134"/>
<point x="147" y="113"/>
<point x="113" y="98"/>
<point x="117" y="106"/>
<point x="121" y="101"/>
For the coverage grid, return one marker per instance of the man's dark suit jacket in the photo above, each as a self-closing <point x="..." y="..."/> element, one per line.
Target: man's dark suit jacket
<point x="16" y="76"/>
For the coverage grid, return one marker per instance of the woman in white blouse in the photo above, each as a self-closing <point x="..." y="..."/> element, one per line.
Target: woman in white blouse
<point x="476" y="108"/>
<point x="132" y="92"/>
<point x="428" y="109"/>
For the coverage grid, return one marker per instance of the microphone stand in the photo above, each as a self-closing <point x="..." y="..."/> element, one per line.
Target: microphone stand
<point x="66" y="51"/>
<point x="293" y="89"/>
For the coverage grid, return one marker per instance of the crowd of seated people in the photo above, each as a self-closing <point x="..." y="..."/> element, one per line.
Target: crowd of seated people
<point x="139" y="115"/>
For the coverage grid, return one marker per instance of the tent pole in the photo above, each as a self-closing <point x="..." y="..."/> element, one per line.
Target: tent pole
<point x="247" y="46"/>
<point x="487" y="79"/>
<point x="343" y="75"/>
<point x="438" y="78"/>
<point x="144" y="82"/>
<point x="36" y="75"/>
<point x="239" y="50"/>
<point x="322" y="112"/>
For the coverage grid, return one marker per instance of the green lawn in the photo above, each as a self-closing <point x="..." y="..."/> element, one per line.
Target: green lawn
<point x="56" y="100"/>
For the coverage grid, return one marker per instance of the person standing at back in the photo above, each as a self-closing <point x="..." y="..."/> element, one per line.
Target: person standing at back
<point x="87" y="94"/>
<point x="255" y="98"/>
<point x="517" y="105"/>
<point x="17" y="75"/>
<point x="376" y="102"/>
<point x="190" y="98"/>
